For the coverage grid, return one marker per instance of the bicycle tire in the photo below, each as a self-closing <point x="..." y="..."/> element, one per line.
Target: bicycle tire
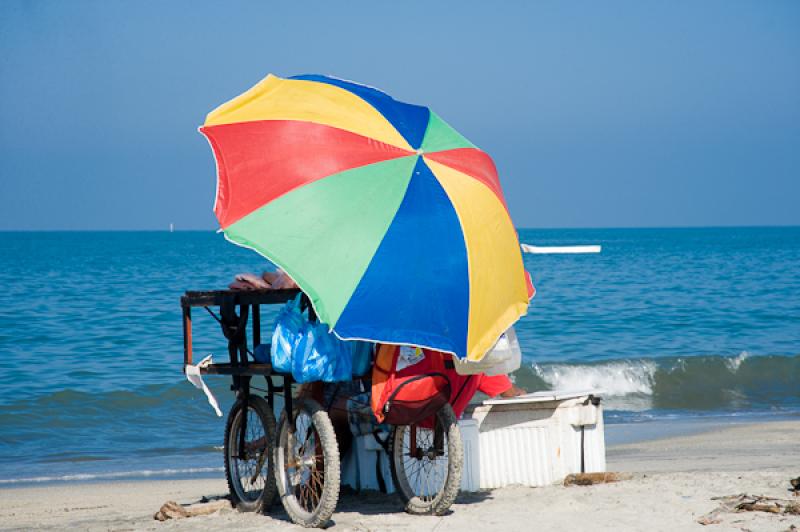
<point x="251" y="478"/>
<point x="309" y="493"/>
<point x="416" y="493"/>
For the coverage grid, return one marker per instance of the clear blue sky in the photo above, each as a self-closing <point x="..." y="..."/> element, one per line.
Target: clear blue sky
<point x="597" y="114"/>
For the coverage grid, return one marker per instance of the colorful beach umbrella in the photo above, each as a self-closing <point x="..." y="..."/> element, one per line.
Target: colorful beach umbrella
<point x="391" y="222"/>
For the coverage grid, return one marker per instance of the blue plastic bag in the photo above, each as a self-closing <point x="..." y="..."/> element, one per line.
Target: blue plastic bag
<point x="310" y="352"/>
<point x="321" y="356"/>
<point x="343" y="368"/>
<point x="262" y="354"/>
<point x="289" y="328"/>
<point x="309" y="362"/>
<point x="361" y="357"/>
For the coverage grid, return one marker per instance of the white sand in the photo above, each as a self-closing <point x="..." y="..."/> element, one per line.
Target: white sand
<point x="674" y="482"/>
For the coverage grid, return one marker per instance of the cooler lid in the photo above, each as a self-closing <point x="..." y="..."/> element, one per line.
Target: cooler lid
<point x="542" y="397"/>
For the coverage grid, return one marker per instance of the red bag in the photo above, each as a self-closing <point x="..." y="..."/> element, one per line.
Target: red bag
<point x="406" y="400"/>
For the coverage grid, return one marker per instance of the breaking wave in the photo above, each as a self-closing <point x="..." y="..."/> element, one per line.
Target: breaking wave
<point x="742" y="382"/>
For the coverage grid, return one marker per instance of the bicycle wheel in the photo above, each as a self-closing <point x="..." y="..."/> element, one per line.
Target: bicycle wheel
<point x="307" y="465"/>
<point x="426" y="464"/>
<point x="249" y="471"/>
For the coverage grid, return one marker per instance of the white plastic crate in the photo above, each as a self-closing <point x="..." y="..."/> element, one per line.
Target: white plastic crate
<point x="538" y="439"/>
<point x="359" y="468"/>
<point x="470" y="471"/>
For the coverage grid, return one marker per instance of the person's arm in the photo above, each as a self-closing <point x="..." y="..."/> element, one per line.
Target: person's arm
<point x="499" y="385"/>
<point x="495" y="385"/>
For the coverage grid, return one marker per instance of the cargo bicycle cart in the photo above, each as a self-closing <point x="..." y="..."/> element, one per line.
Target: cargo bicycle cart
<point x="297" y="458"/>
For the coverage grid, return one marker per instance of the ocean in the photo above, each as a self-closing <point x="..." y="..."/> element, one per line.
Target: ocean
<point x="668" y="324"/>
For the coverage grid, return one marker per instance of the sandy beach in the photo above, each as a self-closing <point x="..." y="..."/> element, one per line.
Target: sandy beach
<point x="674" y="480"/>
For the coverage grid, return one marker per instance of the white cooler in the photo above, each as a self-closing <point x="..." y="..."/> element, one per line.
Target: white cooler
<point x="538" y="439"/>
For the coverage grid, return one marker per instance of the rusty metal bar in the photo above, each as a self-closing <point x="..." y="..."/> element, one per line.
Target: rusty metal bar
<point x="213" y="298"/>
<point x="187" y="336"/>
<point x="226" y="368"/>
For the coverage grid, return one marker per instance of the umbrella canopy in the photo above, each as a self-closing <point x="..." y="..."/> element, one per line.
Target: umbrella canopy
<point x="392" y="222"/>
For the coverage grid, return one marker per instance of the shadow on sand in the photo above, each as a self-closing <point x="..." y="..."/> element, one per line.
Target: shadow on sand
<point x="365" y="502"/>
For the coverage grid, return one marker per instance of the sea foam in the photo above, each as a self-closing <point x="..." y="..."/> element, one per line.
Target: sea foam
<point x="115" y="475"/>
<point x="742" y="381"/>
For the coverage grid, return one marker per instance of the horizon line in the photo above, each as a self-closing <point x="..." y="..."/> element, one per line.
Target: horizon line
<point x="548" y="228"/>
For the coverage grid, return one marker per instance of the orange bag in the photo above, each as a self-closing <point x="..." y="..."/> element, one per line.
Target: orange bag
<point x="406" y="400"/>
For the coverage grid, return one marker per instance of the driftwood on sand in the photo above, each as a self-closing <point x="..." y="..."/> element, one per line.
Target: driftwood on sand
<point x="173" y="510"/>
<point x="587" y="479"/>
<point x="749" y="503"/>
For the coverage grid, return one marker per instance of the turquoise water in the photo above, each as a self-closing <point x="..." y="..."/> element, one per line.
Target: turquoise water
<point x="669" y="323"/>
